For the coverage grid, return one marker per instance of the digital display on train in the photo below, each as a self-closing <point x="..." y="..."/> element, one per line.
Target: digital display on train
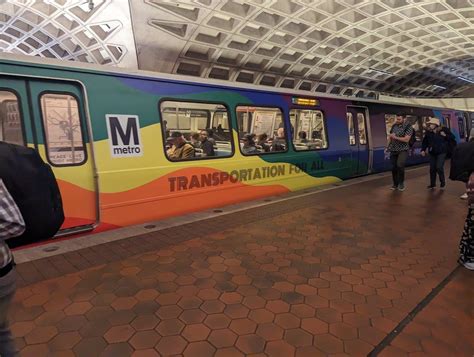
<point x="305" y="101"/>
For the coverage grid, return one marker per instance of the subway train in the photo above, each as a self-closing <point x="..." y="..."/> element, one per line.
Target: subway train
<point x="107" y="133"/>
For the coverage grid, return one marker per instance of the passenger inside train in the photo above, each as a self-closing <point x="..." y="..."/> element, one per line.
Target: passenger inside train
<point x="205" y="127"/>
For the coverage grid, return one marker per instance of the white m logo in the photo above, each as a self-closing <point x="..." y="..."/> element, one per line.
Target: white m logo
<point x="124" y="135"/>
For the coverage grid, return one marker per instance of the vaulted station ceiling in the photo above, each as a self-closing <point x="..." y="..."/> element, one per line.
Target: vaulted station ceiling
<point x="350" y="47"/>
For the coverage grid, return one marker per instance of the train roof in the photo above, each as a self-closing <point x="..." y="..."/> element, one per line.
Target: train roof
<point x="136" y="73"/>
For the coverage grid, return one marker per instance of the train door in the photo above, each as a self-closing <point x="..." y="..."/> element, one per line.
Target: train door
<point x="358" y="140"/>
<point x="62" y="139"/>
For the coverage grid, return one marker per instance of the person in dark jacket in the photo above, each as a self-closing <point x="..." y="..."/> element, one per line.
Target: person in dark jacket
<point x="207" y="146"/>
<point x="435" y="143"/>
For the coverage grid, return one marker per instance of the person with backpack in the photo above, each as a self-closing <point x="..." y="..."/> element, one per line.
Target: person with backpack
<point x="398" y="146"/>
<point x="11" y="225"/>
<point x="33" y="186"/>
<point x="435" y="144"/>
<point x="462" y="169"/>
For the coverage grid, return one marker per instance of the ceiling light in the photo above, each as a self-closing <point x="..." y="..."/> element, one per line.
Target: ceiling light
<point x="466" y="80"/>
<point x="380" y="71"/>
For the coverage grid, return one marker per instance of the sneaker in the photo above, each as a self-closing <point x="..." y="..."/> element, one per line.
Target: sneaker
<point x="442" y="186"/>
<point x="430" y="187"/>
<point x="401" y="187"/>
<point x="469" y="266"/>
<point x="463" y="196"/>
<point x="393" y="188"/>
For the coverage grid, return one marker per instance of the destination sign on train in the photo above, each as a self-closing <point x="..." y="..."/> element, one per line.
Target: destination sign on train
<point x="305" y="101"/>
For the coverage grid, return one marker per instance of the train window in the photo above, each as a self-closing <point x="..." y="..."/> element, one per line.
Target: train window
<point x="62" y="127"/>
<point x="389" y="121"/>
<point x="416" y="123"/>
<point x="10" y="119"/>
<point x="462" y="127"/>
<point x="195" y="130"/>
<point x="261" y="130"/>
<point x="350" y="126"/>
<point x="361" y="128"/>
<point x="309" y="129"/>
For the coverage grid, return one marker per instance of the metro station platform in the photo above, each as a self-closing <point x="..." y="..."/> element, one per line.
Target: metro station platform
<point x="353" y="269"/>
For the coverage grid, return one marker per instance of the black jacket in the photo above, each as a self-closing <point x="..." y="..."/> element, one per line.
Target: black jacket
<point x="462" y="162"/>
<point x="436" y="143"/>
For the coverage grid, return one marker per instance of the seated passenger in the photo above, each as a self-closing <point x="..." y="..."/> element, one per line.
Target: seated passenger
<point x="210" y="136"/>
<point x="181" y="149"/>
<point x="249" y="147"/>
<point x="206" y="145"/>
<point x="263" y="142"/>
<point x="302" y="137"/>
<point x="279" y="143"/>
<point x="195" y="140"/>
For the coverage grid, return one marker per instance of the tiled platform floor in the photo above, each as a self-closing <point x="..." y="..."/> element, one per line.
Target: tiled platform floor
<point x="444" y="327"/>
<point x="327" y="274"/>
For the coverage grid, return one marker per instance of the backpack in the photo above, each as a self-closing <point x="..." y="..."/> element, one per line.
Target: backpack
<point x="32" y="185"/>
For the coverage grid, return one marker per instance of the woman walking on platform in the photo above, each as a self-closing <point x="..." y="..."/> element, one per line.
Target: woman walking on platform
<point x="462" y="169"/>
<point x="435" y="144"/>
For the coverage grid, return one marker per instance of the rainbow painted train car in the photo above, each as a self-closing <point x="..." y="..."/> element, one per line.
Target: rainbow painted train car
<point x="105" y="133"/>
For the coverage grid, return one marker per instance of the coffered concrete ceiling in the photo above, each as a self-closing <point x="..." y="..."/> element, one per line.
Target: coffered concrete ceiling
<point x="420" y="48"/>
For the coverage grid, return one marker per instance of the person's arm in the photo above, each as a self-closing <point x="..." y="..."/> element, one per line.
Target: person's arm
<point x="406" y="138"/>
<point x="11" y="220"/>
<point x="424" y="143"/>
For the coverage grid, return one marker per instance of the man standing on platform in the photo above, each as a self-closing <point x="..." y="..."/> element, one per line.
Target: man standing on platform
<point x="398" y="146"/>
<point x="11" y="225"/>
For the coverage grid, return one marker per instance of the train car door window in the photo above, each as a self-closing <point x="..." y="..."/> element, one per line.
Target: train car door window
<point x="447" y="120"/>
<point x="10" y="119"/>
<point x="64" y="138"/>
<point x="350" y="126"/>
<point x="261" y="130"/>
<point x="361" y="128"/>
<point x="462" y="127"/>
<point x="195" y="130"/>
<point x="309" y="129"/>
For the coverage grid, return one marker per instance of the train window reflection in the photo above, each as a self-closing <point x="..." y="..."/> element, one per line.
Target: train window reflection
<point x="261" y="130"/>
<point x="62" y="126"/>
<point x="309" y="129"/>
<point x="195" y="130"/>
<point x="10" y="119"/>
<point x="361" y="128"/>
<point x="350" y="126"/>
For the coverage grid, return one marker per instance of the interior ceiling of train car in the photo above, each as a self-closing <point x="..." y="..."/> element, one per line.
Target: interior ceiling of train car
<point x="421" y="48"/>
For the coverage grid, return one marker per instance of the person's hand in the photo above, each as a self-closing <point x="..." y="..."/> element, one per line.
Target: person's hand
<point x="442" y="133"/>
<point x="423" y="153"/>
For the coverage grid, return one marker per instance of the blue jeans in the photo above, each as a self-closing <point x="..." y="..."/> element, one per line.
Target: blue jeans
<point x="7" y="345"/>
<point x="437" y="167"/>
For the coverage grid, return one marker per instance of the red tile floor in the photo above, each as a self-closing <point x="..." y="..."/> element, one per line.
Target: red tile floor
<point x="331" y="273"/>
